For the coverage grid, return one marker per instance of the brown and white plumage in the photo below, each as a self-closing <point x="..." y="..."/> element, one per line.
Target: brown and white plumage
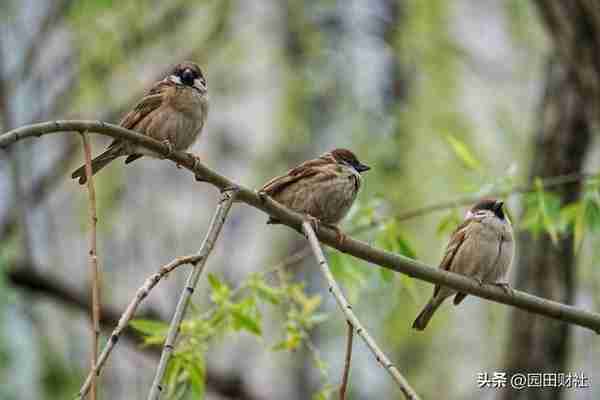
<point x="324" y="188"/>
<point x="173" y="111"/>
<point x="481" y="247"/>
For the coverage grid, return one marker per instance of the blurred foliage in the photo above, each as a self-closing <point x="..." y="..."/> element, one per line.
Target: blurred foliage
<point x="234" y="311"/>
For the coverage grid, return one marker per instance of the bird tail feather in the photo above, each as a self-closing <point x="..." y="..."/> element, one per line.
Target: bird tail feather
<point x="426" y="314"/>
<point x="97" y="164"/>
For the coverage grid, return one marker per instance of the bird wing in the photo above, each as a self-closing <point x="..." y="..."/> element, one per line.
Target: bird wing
<point x="457" y="239"/>
<point x="150" y="102"/>
<point x="305" y="170"/>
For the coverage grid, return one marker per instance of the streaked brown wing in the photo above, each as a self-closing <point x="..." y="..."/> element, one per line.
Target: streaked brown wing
<point x="306" y="169"/>
<point x="456" y="240"/>
<point x="150" y="102"/>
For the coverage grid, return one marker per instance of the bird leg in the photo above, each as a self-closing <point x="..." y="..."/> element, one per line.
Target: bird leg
<point x="169" y="147"/>
<point x="340" y="237"/>
<point x="314" y="222"/>
<point x="505" y="286"/>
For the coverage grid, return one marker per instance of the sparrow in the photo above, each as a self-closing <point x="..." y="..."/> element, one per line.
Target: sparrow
<point x="323" y="188"/>
<point x="173" y="111"/>
<point x="482" y="248"/>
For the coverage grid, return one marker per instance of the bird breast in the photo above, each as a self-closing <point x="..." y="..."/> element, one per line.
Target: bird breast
<point x="334" y="197"/>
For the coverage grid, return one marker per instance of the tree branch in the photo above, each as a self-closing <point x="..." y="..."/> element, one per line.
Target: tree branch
<point x="346" y="308"/>
<point x="347" y="362"/>
<point x="209" y="242"/>
<point x="350" y="246"/>
<point x="93" y="254"/>
<point x="26" y="277"/>
<point x="129" y="313"/>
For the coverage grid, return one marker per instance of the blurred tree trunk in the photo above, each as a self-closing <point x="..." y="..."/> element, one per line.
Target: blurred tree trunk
<point x="568" y="113"/>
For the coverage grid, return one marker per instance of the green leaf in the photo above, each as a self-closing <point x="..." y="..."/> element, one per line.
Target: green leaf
<point x="245" y="316"/>
<point x="195" y="372"/>
<point x="220" y="290"/>
<point x="215" y="282"/>
<point x="463" y="152"/>
<point x="549" y="206"/>
<point x="592" y="215"/>
<point x="150" y="327"/>
<point x="268" y="293"/>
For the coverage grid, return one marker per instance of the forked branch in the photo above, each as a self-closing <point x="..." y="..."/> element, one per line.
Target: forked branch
<point x="346" y="308"/>
<point x="209" y="242"/>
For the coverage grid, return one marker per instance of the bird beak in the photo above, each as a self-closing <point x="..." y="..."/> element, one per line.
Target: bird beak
<point x="362" y="167"/>
<point x="498" y="206"/>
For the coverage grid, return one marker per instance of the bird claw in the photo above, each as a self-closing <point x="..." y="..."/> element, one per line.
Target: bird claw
<point x="262" y="195"/>
<point x="506" y="287"/>
<point x="168" y="146"/>
<point x="340" y="237"/>
<point x="195" y="163"/>
<point x="314" y="222"/>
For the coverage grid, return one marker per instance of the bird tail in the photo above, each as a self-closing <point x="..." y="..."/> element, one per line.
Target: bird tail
<point x="427" y="312"/>
<point x="97" y="163"/>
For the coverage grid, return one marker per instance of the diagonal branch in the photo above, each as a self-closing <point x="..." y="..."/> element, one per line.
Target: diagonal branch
<point x="209" y="242"/>
<point x="25" y="277"/>
<point x="93" y="220"/>
<point x="356" y="248"/>
<point x="347" y="362"/>
<point x="128" y="314"/>
<point x="346" y="308"/>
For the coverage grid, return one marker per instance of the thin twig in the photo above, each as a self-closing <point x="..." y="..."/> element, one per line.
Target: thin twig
<point x="346" y="308"/>
<point x="347" y="361"/>
<point x="356" y="248"/>
<point x="209" y="241"/>
<point x="93" y="220"/>
<point x="128" y="314"/>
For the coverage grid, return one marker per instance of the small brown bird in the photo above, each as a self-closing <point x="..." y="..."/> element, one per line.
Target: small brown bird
<point x="173" y="111"/>
<point x="481" y="247"/>
<point x="323" y="188"/>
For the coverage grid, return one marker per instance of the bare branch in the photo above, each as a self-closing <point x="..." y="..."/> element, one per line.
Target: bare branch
<point x="209" y="242"/>
<point x="347" y="362"/>
<point x="350" y="246"/>
<point x="346" y="308"/>
<point x="93" y="220"/>
<point x="130" y="310"/>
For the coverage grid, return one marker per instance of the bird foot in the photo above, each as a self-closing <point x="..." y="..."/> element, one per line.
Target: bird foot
<point x="262" y="195"/>
<point x="168" y="147"/>
<point x="340" y="237"/>
<point x="195" y="165"/>
<point x="506" y="287"/>
<point x="314" y="222"/>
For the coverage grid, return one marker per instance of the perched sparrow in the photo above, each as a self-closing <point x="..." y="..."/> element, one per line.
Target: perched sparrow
<point x="481" y="247"/>
<point x="173" y="111"/>
<point x="323" y="188"/>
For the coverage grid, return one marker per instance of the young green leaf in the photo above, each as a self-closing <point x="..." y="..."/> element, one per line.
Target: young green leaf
<point x="149" y="327"/>
<point x="462" y="151"/>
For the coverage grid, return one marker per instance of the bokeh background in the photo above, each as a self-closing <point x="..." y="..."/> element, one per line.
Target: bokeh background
<point x="444" y="99"/>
